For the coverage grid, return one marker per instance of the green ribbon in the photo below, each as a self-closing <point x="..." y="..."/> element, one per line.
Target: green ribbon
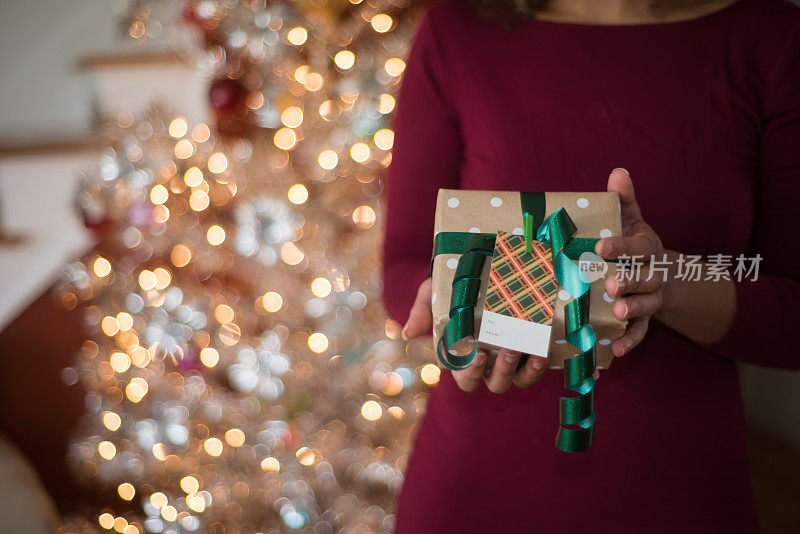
<point x="456" y="243"/>
<point x="576" y="421"/>
<point x="534" y="206"/>
<point x="466" y="284"/>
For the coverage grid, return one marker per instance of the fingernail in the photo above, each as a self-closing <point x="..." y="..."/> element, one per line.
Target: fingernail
<point x="624" y="310"/>
<point x="619" y="287"/>
<point x="622" y="169"/>
<point x="538" y="363"/>
<point x="403" y="333"/>
<point x="512" y="357"/>
<point x="479" y="359"/>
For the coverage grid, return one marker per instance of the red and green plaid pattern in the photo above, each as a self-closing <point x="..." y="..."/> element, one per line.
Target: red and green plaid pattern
<point x="521" y="285"/>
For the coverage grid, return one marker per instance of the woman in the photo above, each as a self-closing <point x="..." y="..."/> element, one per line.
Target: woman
<point x="700" y="101"/>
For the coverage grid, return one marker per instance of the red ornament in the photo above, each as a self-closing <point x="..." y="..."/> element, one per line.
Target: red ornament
<point x="101" y="226"/>
<point x="227" y="95"/>
<point x="228" y="99"/>
<point x="189" y="14"/>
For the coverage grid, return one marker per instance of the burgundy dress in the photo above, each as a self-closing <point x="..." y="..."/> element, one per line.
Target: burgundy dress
<point x="705" y="114"/>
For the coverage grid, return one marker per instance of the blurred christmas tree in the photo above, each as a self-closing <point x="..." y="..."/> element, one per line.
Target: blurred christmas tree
<point x="242" y="375"/>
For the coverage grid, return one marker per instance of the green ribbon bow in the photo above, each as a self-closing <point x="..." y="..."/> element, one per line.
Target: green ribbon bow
<point x="577" y="410"/>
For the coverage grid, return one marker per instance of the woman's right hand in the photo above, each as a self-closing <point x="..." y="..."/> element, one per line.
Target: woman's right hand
<point x="499" y="376"/>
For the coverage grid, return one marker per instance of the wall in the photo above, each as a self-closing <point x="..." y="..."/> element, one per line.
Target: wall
<point x="42" y="93"/>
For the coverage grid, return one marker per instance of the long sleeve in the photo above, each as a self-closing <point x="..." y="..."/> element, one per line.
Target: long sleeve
<point x="768" y="310"/>
<point x="425" y="158"/>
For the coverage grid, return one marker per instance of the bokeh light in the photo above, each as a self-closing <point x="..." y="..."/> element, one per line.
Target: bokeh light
<point x="178" y="127"/>
<point x="213" y="446"/>
<point x="298" y="194"/>
<point x="371" y="410"/>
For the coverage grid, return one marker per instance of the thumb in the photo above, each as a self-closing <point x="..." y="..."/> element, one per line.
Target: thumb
<point x="619" y="181"/>
<point x="420" y="318"/>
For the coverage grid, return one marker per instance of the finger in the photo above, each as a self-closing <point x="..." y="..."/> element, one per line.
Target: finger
<point x="420" y="318"/>
<point x="596" y="376"/>
<point x="637" y="306"/>
<point x="644" y="244"/>
<point x="643" y="282"/>
<point x="531" y="372"/>
<point x="470" y="378"/>
<point x="634" y="334"/>
<point x="502" y="374"/>
<point x="619" y="181"/>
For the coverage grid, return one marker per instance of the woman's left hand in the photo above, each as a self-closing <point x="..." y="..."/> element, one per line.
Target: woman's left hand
<point x="641" y="297"/>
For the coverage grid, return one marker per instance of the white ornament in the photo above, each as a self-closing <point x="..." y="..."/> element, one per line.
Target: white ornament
<point x="452" y="263"/>
<point x="583" y="203"/>
<point x="452" y="202"/>
<point x="563" y="294"/>
<point x="496" y="202"/>
<point x="605" y="232"/>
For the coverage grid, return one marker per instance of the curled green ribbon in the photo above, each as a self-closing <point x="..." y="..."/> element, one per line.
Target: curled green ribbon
<point x="466" y="284"/>
<point x="576" y="420"/>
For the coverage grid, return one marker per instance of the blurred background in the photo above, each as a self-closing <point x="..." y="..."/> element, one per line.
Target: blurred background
<point x="190" y="306"/>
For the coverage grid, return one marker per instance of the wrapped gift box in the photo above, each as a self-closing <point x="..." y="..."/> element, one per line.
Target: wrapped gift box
<point x="595" y="215"/>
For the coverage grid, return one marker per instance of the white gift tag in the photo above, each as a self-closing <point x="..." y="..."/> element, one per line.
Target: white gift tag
<point x="515" y="334"/>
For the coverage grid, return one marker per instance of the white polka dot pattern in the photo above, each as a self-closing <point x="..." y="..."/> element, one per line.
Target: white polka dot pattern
<point x="583" y="203"/>
<point x="605" y="232"/>
<point x="564" y="294"/>
<point x="496" y="202"/>
<point x="452" y="263"/>
<point x="453" y="202"/>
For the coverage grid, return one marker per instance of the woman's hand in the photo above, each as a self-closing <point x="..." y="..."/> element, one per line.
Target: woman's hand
<point x="499" y="376"/>
<point x="643" y="297"/>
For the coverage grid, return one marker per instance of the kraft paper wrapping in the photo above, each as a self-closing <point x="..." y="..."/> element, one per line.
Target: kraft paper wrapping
<point x="595" y="214"/>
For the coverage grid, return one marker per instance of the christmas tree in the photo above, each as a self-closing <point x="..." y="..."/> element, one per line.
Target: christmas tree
<point x="241" y="374"/>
